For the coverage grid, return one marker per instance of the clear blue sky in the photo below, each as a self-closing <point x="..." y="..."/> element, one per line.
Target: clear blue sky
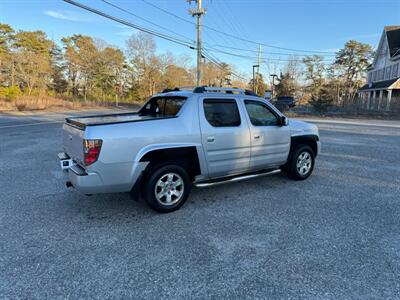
<point x="316" y="25"/>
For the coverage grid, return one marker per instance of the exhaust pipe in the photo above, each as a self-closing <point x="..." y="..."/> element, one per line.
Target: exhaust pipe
<point x="68" y="184"/>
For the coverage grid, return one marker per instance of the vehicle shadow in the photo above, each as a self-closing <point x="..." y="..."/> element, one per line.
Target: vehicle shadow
<point x="122" y="207"/>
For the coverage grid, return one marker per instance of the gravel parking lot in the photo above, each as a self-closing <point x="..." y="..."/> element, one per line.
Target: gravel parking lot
<point x="333" y="236"/>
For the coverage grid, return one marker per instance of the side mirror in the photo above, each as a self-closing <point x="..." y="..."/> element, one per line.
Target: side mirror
<point x="284" y="121"/>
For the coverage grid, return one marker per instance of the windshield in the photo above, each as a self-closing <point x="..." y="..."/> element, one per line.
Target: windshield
<point x="162" y="106"/>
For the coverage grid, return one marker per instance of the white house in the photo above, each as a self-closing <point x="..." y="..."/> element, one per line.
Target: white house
<point x="382" y="91"/>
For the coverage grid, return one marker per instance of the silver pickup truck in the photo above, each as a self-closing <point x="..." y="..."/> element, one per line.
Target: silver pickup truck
<point x="181" y="138"/>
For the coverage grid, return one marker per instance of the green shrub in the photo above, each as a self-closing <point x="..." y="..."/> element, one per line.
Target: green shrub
<point x="322" y="101"/>
<point x="10" y="93"/>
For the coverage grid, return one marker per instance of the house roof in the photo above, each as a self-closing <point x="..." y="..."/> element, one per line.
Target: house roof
<point x="393" y="38"/>
<point x="380" y="85"/>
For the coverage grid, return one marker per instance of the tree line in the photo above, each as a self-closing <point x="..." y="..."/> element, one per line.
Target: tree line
<point x="81" y="67"/>
<point x="90" y="69"/>
<point x="325" y="84"/>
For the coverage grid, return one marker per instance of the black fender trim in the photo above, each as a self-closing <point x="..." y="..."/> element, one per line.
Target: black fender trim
<point x="308" y="139"/>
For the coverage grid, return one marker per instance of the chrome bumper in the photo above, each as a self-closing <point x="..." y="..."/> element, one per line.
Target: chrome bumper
<point x="105" y="178"/>
<point x="79" y="178"/>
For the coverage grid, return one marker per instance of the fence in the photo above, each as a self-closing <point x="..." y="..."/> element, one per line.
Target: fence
<point x="357" y="108"/>
<point x="377" y="104"/>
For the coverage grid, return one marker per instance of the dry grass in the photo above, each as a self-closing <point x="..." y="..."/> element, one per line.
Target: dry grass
<point x="29" y="103"/>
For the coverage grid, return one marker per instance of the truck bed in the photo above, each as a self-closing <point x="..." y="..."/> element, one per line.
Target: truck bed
<point x="96" y="120"/>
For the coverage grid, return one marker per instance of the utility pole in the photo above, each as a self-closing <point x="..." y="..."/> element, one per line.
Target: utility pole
<point x="258" y="68"/>
<point x="273" y="84"/>
<point x="198" y="12"/>
<point x="254" y="80"/>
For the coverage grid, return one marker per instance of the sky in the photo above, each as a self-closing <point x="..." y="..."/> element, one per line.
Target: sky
<point x="311" y="25"/>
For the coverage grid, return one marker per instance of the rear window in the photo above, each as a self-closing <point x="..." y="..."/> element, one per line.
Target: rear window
<point x="162" y="106"/>
<point x="221" y="112"/>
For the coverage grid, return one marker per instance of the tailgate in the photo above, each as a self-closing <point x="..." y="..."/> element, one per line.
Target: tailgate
<point x="73" y="137"/>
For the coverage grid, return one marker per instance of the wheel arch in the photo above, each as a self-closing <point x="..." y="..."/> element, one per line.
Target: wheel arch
<point x="309" y="140"/>
<point x="187" y="155"/>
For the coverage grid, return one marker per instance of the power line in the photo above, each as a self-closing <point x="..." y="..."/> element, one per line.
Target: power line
<point x="182" y="42"/>
<point x="233" y="36"/>
<point x="146" y="20"/>
<point x="215" y="61"/>
<point x="264" y="44"/>
<point x="168" y="12"/>
<point x="218" y="63"/>
<point x="250" y="57"/>
<point x="223" y="22"/>
<point x="275" y="53"/>
<point x="152" y="32"/>
<point x="240" y="29"/>
<point x="232" y="26"/>
<point x="223" y="69"/>
<point x="129" y="24"/>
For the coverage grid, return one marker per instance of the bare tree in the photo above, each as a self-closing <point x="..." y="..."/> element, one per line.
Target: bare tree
<point x="141" y="50"/>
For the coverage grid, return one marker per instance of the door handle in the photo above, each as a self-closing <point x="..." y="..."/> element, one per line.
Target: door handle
<point x="256" y="137"/>
<point x="210" y="139"/>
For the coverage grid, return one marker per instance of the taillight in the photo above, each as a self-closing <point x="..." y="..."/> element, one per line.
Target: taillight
<point x="91" y="151"/>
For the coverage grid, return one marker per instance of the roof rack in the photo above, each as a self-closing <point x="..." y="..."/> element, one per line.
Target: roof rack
<point x="177" y="89"/>
<point x="208" y="89"/>
<point x="212" y="89"/>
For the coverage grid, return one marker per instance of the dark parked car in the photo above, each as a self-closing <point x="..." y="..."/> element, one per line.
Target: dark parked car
<point x="284" y="102"/>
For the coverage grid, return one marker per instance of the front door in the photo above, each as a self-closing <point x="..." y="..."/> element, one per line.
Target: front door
<point x="270" y="141"/>
<point x="225" y="136"/>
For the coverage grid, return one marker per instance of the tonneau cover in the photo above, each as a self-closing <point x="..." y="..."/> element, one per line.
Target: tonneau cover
<point x="82" y="122"/>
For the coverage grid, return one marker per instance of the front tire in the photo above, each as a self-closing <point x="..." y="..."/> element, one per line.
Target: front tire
<point x="301" y="163"/>
<point x="167" y="188"/>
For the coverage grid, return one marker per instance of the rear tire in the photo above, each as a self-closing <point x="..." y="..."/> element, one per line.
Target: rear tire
<point x="167" y="187"/>
<point x="300" y="164"/>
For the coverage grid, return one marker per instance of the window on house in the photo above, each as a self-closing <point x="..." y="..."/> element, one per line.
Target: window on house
<point x="381" y="73"/>
<point x="395" y="70"/>
<point x="374" y="74"/>
<point x="388" y="72"/>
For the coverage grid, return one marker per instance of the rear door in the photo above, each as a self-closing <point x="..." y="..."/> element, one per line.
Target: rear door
<point x="225" y="136"/>
<point x="270" y="142"/>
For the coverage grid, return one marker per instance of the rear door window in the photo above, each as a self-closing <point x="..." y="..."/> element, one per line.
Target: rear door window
<point x="221" y="112"/>
<point x="162" y="106"/>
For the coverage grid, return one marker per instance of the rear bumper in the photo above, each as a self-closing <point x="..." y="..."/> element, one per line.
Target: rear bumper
<point x="105" y="178"/>
<point x="90" y="183"/>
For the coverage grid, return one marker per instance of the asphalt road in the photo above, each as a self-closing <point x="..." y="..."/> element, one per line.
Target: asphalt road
<point x="333" y="236"/>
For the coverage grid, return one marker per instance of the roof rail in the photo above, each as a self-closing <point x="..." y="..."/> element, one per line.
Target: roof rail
<point x="187" y="88"/>
<point x="177" y="89"/>
<point x="170" y="90"/>
<point x="199" y="89"/>
<point x="250" y="93"/>
<point x="212" y="89"/>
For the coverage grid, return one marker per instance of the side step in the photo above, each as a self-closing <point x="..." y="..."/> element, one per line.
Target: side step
<point x="234" y="179"/>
